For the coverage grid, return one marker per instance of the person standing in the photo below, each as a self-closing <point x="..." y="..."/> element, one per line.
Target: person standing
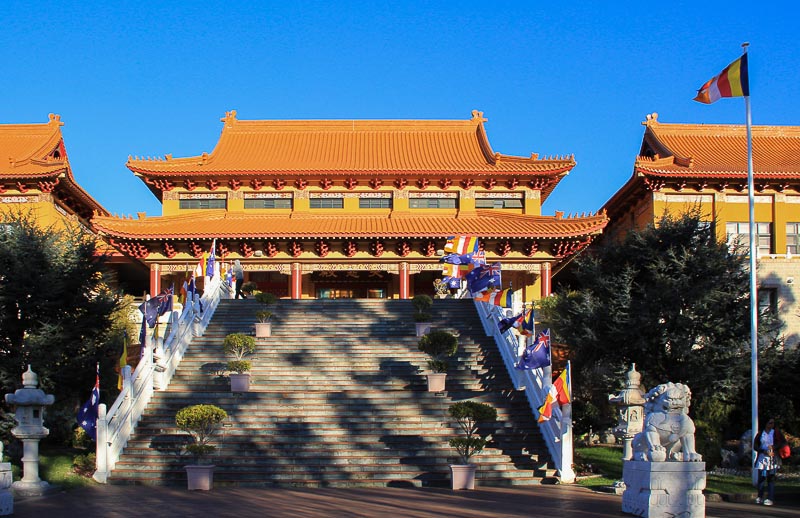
<point x="238" y="273"/>
<point x="767" y="443"/>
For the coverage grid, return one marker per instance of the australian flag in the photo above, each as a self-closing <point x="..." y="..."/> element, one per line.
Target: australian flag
<point x="509" y="322"/>
<point x="536" y="355"/>
<point x="479" y="279"/>
<point x="157" y="306"/>
<point x="87" y="415"/>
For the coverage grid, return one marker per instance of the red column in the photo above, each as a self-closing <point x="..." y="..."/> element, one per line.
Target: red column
<point x="297" y="281"/>
<point x="546" y="280"/>
<point x="405" y="281"/>
<point x="155" y="279"/>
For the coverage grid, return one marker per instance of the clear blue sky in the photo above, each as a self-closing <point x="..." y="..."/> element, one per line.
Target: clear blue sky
<point x="555" y="78"/>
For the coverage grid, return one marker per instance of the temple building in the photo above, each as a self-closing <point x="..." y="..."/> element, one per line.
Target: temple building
<point x="36" y="179"/>
<point x="351" y="208"/>
<point x="684" y="166"/>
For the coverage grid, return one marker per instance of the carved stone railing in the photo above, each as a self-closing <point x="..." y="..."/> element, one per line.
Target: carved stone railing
<point x="154" y="372"/>
<point x="557" y="431"/>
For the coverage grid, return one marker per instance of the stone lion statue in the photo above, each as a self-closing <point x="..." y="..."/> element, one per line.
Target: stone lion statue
<point x="668" y="432"/>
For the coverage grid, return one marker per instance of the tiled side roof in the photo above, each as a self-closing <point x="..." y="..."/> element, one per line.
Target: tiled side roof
<point x="719" y="150"/>
<point x="25" y="149"/>
<point x="351" y="147"/>
<point x="237" y="225"/>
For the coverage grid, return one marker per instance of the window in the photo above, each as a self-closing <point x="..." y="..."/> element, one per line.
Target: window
<point x="326" y="203"/>
<point x="215" y="203"/>
<point x="271" y="203"/>
<point x="432" y="203"/>
<point x="493" y="203"/>
<point x="374" y="203"/>
<point x="739" y="234"/>
<point x="793" y="238"/>
<point x="768" y="300"/>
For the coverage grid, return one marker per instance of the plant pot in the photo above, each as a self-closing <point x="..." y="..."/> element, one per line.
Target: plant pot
<point x="240" y="382"/>
<point x="200" y="476"/>
<point x="462" y="476"/>
<point x="423" y="328"/>
<point x="436" y="381"/>
<point x="263" y="329"/>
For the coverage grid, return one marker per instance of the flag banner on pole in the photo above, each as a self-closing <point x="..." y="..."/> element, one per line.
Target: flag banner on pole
<point x="537" y="354"/>
<point x="563" y="388"/>
<point x="461" y="245"/>
<point x="502" y="298"/>
<point x="123" y="359"/>
<point x="87" y="415"/>
<point x="527" y="327"/>
<point x="546" y="410"/>
<point x="209" y="266"/>
<point x="483" y="276"/>
<point x="507" y="323"/>
<point x="733" y="81"/>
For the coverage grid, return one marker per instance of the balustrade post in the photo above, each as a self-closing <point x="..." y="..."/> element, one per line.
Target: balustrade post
<point x="566" y="473"/>
<point x="101" y="449"/>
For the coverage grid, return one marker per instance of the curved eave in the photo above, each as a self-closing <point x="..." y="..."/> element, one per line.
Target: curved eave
<point x="684" y="173"/>
<point x="238" y="226"/>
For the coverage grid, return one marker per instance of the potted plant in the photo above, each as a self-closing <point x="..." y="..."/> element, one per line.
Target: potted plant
<point x="439" y="345"/>
<point x="239" y="345"/>
<point x="469" y="415"/>
<point x="422" y="303"/>
<point x="263" y="326"/>
<point x="200" y="421"/>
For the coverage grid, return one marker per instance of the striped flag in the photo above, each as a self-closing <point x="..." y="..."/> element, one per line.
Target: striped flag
<point x="563" y="387"/>
<point x="123" y="359"/>
<point x="733" y="81"/>
<point x="546" y="410"/>
<point x="461" y="245"/>
<point x="500" y="298"/>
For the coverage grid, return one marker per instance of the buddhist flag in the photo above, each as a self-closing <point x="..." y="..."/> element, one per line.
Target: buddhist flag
<point x="733" y="81"/>
<point x="502" y="298"/>
<point x="461" y="245"/>
<point x="546" y="410"/>
<point x="563" y="387"/>
<point x="527" y="327"/>
<point x="123" y="359"/>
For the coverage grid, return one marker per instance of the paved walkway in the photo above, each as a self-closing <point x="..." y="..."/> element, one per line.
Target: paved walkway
<point x="157" y="502"/>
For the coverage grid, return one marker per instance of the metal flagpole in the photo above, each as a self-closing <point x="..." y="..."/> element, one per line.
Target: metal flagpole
<point x="753" y="286"/>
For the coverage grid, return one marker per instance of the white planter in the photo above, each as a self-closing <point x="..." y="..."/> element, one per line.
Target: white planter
<point x="263" y="329"/>
<point x="200" y="476"/>
<point x="240" y="382"/>
<point x="462" y="476"/>
<point x="423" y="328"/>
<point x="436" y="381"/>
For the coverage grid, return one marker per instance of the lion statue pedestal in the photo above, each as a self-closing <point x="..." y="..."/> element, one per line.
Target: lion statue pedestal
<point x="666" y="476"/>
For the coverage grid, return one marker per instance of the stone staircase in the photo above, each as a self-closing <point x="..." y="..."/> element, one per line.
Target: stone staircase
<point x="338" y="398"/>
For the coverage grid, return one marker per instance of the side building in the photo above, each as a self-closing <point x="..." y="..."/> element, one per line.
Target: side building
<point x="351" y="208"/>
<point x="684" y="166"/>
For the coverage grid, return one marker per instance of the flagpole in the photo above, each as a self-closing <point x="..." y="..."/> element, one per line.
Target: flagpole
<point x="753" y="285"/>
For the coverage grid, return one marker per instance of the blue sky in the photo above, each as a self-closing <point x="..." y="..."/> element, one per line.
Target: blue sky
<point x="555" y="78"/>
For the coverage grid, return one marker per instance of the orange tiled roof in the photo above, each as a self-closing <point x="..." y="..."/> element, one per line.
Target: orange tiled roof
<point x="351" y="146"/>
<point x="237" y="225"/>
<point x="718" y="150"/>
<point x="26" y="149"/>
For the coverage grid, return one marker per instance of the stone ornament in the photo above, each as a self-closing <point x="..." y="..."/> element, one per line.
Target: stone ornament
<point x="668" y="432"/>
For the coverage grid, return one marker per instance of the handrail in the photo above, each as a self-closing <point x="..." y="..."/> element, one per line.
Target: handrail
<point x="557" y="431"/>
<point x="154" y="372"/>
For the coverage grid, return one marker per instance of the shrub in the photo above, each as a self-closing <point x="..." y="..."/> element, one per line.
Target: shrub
<point x="439" y="345"/>
<point x="239" y="366"/>
<point x="266" y="298"/>
<point x="468" y="415"/>
<point x="84" y="465"/>
<point x="200" y="421"/>
<point x="263" y="316"/>
<point x="422" y="303"/>
<point x="249" y="287"/>
<point x="239" y="345"/>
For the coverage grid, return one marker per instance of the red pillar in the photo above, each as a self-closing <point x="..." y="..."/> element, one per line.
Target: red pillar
<point x="155" y="279"/>
<point x="405" y="281"/>
<point x="297" y="280"/>
<point x="546" y="280"/>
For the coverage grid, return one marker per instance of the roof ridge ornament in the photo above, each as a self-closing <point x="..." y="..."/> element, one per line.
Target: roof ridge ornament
<point x="477" y="116"/>
<point x="55" y="120"/>
<point x="651" y="119"/>
<point x="230" y="118"/>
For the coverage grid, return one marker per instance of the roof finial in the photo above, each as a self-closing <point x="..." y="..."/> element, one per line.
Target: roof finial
<point x="230" y="118"/>
<point x="477" y="116"/>
<point x="651" y="119"/>
<point x="55" y="119"/>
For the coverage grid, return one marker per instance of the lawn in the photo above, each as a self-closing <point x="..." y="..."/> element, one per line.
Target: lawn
<point x="55" y="466"/>
<point x="607" y="462"/>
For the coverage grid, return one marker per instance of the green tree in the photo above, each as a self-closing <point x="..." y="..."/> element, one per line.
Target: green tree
<point x="672" y="299"/>
<point x="56" y="311"/>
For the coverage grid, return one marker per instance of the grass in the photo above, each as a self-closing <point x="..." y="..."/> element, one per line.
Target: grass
<point x="607" y="462"/>
<point x="55" y="467"/>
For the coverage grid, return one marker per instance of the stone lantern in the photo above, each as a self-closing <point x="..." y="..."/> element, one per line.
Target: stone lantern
<point x="30" y="402"/>
<point x="631" y="411"/>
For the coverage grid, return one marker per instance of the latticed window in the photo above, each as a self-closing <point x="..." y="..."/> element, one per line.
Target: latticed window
<point x="216" y="203"/>
<point x="374" y="203"/>
<point x="793" y="238"/>
<point x="274" y="203"/>
<point x="432" y="203"/>
<point x="326" y="203"/>
<point x="738" y="234"/>
<point x="492" y="203"/>
<point x="768" y="300"/>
